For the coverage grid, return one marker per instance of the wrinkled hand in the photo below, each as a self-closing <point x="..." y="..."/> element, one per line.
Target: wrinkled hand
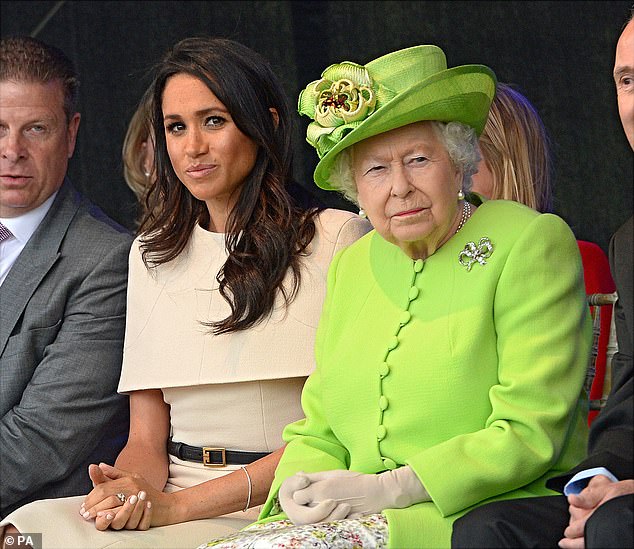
<point x="599" y="490"/>
<point x="324" y="511"/>
<point x="364" y="493"/>
<point x="102" y="504"/>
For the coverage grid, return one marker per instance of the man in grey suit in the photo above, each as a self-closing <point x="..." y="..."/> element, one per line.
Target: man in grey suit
<point x="63" y="270"/>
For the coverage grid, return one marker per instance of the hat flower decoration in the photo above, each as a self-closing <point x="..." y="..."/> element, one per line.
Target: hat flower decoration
<point x="338" y="102"/>
<point x="352" y="102"/>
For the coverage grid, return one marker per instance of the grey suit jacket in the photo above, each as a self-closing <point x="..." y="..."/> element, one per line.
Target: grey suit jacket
<point x="62" y="320"/>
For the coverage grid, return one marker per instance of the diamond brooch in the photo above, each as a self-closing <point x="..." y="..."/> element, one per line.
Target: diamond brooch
<point x="473" y="253"/>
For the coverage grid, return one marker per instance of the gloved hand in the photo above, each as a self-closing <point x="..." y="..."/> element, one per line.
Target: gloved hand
<point x="324" y="511"/>
<point x="365" y="494"/>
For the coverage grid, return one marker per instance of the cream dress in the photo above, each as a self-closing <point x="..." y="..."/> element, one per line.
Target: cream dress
<point x="234" y="391"/>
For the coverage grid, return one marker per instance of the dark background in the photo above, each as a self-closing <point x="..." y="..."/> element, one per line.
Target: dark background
<point x="559" y="54"/>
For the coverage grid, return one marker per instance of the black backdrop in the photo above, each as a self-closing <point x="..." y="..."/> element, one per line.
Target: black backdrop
<point x="560" y="54"/>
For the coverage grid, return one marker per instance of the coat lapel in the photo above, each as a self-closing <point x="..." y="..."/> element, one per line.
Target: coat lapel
<point x="36" y="259"/>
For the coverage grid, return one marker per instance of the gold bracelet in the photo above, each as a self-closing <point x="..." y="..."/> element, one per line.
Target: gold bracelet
<point x="246" y="507"/>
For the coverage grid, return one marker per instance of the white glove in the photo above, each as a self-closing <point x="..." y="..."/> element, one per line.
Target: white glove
<point x="365" y="494"/>
<point x="323" y="511"/>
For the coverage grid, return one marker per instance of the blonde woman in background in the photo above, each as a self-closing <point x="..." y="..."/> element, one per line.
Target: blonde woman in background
<point x="138" y="153"/>
<point x="516" y="163"/>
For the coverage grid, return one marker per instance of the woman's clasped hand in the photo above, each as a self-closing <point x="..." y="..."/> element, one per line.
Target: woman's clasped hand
<point x="104" y="503"/>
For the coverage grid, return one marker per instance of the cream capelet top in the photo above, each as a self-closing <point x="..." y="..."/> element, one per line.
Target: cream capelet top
<point x="166" y="345"/>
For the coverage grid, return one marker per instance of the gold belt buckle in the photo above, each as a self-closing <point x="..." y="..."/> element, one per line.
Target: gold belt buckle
<point x="207" y="457"/>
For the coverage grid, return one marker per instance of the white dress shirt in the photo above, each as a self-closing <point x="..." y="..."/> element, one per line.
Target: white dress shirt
<point x="577" y="483"/>
<point x="22" y="228"/>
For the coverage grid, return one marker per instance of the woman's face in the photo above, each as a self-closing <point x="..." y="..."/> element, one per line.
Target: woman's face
<point x="208" y="152"/>
<point x="408" y="187"/>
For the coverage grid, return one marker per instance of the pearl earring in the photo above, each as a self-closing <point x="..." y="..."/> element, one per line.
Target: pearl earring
<point x="460" y="195"/>
<point x="362" y="213"/>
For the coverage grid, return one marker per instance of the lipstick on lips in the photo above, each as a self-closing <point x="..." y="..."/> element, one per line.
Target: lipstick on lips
<point x="197" y="171"/>
<point x="406" y="213"/>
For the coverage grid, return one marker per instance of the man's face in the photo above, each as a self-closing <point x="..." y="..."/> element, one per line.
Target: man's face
<point x="624" y="80"/>
<point x="36" y="142"/>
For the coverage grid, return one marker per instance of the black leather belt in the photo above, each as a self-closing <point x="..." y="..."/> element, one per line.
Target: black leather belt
<point x="212" y="457"/>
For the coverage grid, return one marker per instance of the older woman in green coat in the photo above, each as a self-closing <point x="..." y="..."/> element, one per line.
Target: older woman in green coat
<point x="454" y="339"/>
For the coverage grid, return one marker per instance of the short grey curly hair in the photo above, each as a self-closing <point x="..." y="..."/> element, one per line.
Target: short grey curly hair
<point x="460" y="141"/>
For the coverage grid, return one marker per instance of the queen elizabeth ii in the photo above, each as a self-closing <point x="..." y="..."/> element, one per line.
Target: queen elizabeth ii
<point x="454" y="339"/>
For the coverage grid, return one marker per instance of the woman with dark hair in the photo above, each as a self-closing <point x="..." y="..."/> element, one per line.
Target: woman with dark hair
<point x="226" y="284"/>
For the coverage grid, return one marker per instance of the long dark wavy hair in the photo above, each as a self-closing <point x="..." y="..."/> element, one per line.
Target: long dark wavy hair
<point x="267" y="233"/>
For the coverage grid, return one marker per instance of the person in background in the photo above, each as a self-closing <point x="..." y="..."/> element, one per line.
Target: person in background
<point x="516" y="161"/>
<point x="596" y="509"/>
<point x="517" y="165"/>
<point x="227" y="280"/>
<point x="63" y="269"/>
<point x="440" y="381"/>
<point x="138" y="153"/>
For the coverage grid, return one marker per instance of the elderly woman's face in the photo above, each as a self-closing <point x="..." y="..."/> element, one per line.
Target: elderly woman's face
<point x="408" y="187"/>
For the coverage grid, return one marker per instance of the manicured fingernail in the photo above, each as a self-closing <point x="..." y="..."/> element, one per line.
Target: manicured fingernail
<point x="142" y="495"/>
<point x="86" y="515"/>
<point x="149" y="504"/>
<point x="109" y="516"/>
<point x="132" y="500"/>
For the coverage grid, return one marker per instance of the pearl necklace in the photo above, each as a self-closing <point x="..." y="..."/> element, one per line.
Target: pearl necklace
<point x="466" y="214"/>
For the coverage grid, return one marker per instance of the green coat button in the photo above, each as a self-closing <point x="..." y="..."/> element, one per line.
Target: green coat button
<point x="413" y="293"/>
<point x="384" y="369"/>
<point x="393" y="343"/>
<point x="406" y="316"/>
<point x="383" y="403"/>
<point x="381" y="431"/>
<point x="418" y="265"/>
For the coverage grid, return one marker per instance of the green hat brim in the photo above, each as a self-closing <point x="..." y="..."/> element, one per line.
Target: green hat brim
<point x="460" y="94"/>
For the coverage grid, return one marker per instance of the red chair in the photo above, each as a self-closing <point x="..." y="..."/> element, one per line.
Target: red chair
<point x="598" y="280"/>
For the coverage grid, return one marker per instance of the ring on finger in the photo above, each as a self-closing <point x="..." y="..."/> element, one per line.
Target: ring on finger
<point x="121" y="497"/>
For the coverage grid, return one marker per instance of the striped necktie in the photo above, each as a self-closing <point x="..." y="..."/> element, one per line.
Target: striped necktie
<point x="5" y="233"/>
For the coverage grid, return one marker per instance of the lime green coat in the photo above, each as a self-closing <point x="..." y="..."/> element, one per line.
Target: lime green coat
<point x="473" y="378"/>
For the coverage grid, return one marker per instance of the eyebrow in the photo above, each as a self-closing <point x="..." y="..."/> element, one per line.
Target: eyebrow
<point x="412" y="149"/>
<point x="198" y="114"/>
<point x="43" y="119"/>
<point x="623" y="69"/>
<point x="47" y="120"/>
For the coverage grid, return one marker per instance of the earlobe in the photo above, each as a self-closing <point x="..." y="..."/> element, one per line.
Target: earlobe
<point x="459" y="179"/>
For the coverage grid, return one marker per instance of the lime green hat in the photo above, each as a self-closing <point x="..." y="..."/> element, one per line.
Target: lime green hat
<point x="352" y="102"/>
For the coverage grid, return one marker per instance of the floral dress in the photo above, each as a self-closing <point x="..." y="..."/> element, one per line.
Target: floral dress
<point x="369" y="532"/>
